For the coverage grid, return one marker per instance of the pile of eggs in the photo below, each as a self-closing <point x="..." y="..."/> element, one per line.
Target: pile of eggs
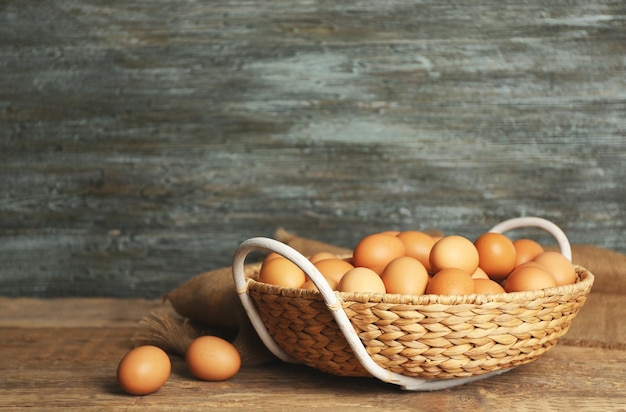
<point x="416" y="263"/>
<point x="146" y="368"/>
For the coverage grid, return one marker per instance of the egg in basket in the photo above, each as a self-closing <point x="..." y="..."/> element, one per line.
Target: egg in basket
<point x="451" y="333"/>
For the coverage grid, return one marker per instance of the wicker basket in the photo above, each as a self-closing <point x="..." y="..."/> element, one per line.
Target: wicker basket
<point x="422" y="342"/>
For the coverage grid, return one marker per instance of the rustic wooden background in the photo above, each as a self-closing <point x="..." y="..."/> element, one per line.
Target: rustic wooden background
<point x="143" y="140"/>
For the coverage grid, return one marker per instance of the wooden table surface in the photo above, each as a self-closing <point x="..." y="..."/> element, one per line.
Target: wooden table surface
<point x="63" y="353"/>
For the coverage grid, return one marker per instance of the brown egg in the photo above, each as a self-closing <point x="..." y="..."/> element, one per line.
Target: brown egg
<point x="375" y="251"/>
<point x="405" y="275"/>
<point x="528" y="277"/>
<point x="451" y="281"/>
<point x="212" y="359"/>
<point x="361" y="279"/>
<point x="272" y="255"/>
<point x="496" y="255"/>
<point x="559" y="266"/>
<point x="333" y="269"/>
<point x="321" y="256"/>
<point x="282" y="272"/>
<point x="487" y="286"/>
<point x="526" y="250"/>
<point x="534" y="264"/>
<point x="479" y="274"/>
<point x="309" y="285"/>
<point x="418" y="245"/>
<point x="143" y="370"/>
<point x="454" y="251"/>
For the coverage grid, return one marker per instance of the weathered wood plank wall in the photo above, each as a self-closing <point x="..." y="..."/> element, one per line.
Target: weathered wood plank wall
<point x="141" y="141"/>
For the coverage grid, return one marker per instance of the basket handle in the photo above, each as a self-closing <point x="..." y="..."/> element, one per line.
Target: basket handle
<point x="554" y="230"/>
<point x="333" y="304"/>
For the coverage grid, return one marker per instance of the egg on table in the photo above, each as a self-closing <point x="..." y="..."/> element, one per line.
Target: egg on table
<point x="143" y="370"/>
<point x="212" y="358"/>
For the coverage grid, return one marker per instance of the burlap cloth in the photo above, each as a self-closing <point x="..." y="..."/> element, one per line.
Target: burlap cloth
<point x="207" y="304"/>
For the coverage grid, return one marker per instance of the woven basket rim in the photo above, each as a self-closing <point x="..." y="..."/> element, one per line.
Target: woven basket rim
<point x="584" y="282"/>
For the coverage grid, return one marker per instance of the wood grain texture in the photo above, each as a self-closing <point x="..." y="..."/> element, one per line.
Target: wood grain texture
<point x="51" y="363"/>
<point x="142" y="141"/>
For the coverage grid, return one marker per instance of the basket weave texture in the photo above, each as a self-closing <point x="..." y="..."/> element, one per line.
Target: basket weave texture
<point x="426" y="336"/>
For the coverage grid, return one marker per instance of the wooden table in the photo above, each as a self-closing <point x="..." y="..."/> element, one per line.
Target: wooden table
<point x="63" y="353"/>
